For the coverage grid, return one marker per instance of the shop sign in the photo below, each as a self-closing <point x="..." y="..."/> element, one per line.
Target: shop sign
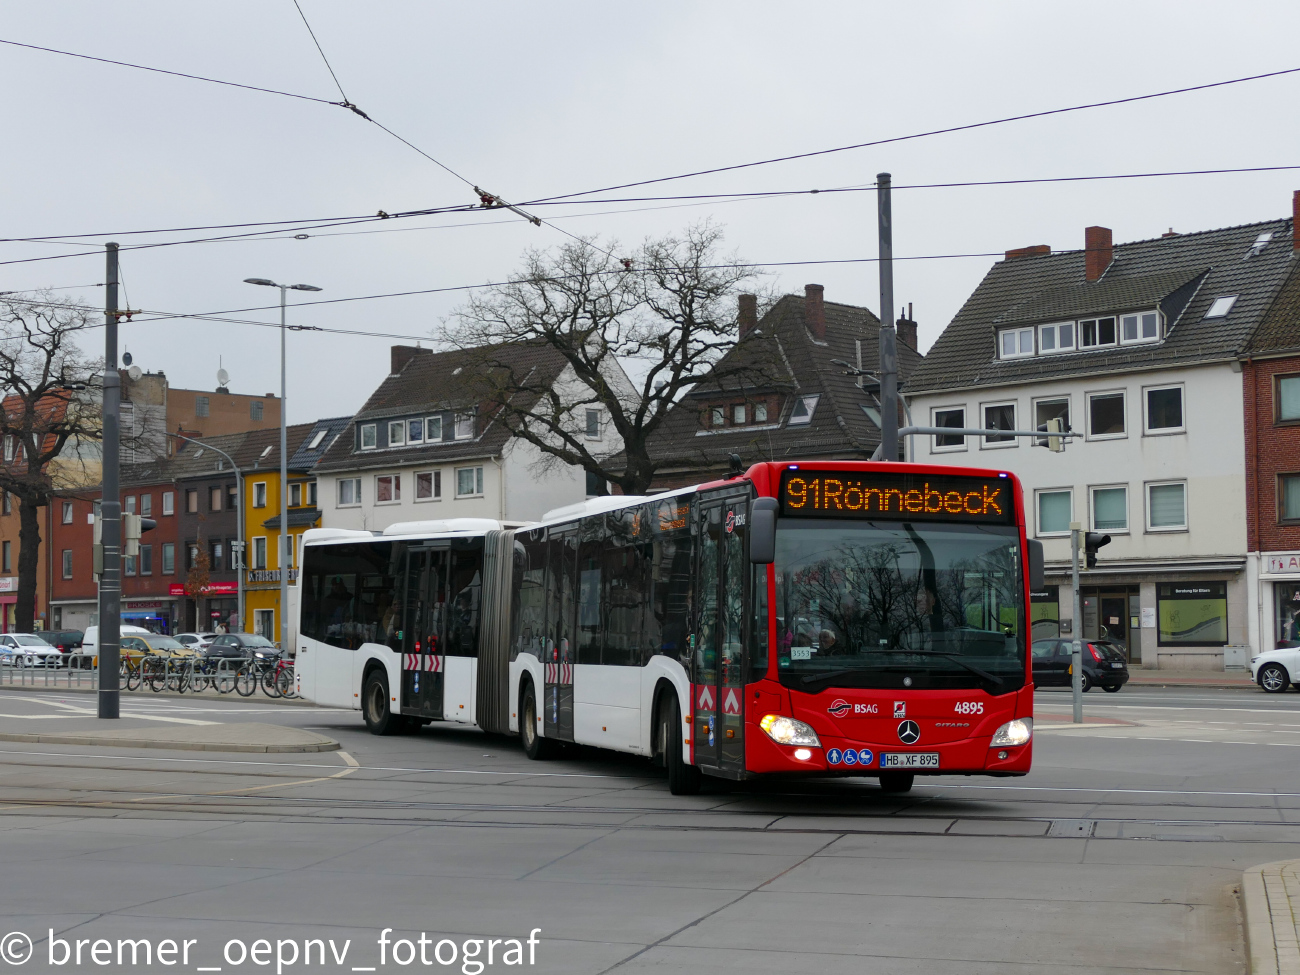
<point x="212" y="589"/>
<point x="1280" y="563"/>
<point x="144" y="604"/>
<point x="9" y="584"/>
<point x="270" y="575"/>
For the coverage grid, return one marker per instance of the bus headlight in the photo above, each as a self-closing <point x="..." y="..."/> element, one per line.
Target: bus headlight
<point x="1015" y="732"/>
<point x="788" y="731"/>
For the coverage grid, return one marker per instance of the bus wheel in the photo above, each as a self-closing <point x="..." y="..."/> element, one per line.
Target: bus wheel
<point x="683" y="778"/>
<point x="535" y="746"/>
<point x="896" y="782"/>
<point x="374" y="706"/>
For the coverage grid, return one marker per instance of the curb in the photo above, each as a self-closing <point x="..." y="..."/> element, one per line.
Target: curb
<point x="1270" y="896"/>
<point x="325" y="745"/>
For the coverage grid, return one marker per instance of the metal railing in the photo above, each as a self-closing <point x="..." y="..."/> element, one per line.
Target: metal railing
<point x="157" y="673"/>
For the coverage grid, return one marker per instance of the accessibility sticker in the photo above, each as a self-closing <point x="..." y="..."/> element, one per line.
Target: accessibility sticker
<point x="850" y="757"/>
<point x="834" y="756"/>
<point x="865" y="756"/>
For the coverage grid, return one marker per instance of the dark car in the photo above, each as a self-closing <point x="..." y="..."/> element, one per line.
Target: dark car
<point x="244" y="645"/>
<point x="1105" y="664"/>
<point x="67" y="641"/>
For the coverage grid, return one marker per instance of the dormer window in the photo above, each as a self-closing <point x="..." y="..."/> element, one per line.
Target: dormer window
<point x="738" y="414"/>
<point x="1097" y="332"/>
<point x="760" y="412"/>
<point x="396" y="433"/>
<point x="804" y="407"/>
<point x="368" y="434"/>
<point x="1016" y="342"/>
<point x="415" y="431"/>
<point x="464" y="426"/>
<point x="1144" y="327"/>
<point x="718" y="416"/>
<point x="1057" y="337"/>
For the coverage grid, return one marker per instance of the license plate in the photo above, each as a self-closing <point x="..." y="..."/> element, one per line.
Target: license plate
<point x="909" y="760"/>
<point x="1117" y="666"/>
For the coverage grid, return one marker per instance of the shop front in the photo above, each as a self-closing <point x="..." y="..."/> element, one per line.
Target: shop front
<point x="8" y="603"/>
<point x="157" y="615"/>
<point x="1280" y="600"/>
<point x="217" y="605"/>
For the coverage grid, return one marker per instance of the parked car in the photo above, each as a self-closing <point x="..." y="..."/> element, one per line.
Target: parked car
<point x="1105" y="664"/>
<point x="159" y="644"/>
<point x="247" y="645"/>
<point x="65" y="641"/>
<point x="90" y="644"/>
<point x="1276" y="670"/>
<point x="28" y="650"/>
<point x="198" y="641"/>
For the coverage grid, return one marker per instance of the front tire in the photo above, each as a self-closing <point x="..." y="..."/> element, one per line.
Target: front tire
<point x="896" y="783"/>
<point x="375" y="702"/>
<point x="535" y="746"/>
<point x="684" y="779"/>
<point x="1110" y="688"/>
<point x="1274" y="679"/>
<point x="1085" y="683"/>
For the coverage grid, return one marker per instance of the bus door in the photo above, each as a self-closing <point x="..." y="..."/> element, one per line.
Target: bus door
<point x="719" y="658"/>
<point x="423" y="653"/>
<point x="560" y="646"/>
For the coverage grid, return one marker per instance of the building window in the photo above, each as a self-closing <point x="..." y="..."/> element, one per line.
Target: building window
<point x="200" y="406"/>
<point x="146" y="560"/>
<point x="10" y="444"/>
<point x="216" y="555"/>
<point x="1110" y="509"/>
<point x="214" y="498"/>
<point x="1192" y="614"/>
<point x="129" y="506"/>
<point x="432" y="429"/>
<point x="1055" y="512"/>
<point x="295" y="495"/>
<point x="718" y="416"/>
<point x="1164" y="410"/>
<point x="192" y="501"/>
<point x="597" y="486"/>
<point x="6" y="558"/>
<point x="1105" y="415"/>
<point x="1046" y="410"/>
<point x="999" y="416"/>
<point x="311" y="493"/>
<point x="1288" y="398"/>
<point x="128" y="564"/>
<point x="168" y="558"/>
<point x="67" y="512"/>
<point x="255" y="410"/>
<point x="469" y="482"/>
<point x="802" y="412"/>
<point x="388" y="488"/>
<point x="146" y="505"/>
<point x="415" y="431"/>
<point x="1058" y="337"/>
<point x="67" y="563"/>
<point x="1167" y="506"/>
<point x="1096" y="332"/>
<point x="1142" y="327"/>
<point x="428" y="485"/>
<point x="464" y="426"/>
<point x="169" y="503"/>
<point x="1016" y="342"/>
<point x="349" y="492"/>
<point x="1288" y="497"/>
<point x="760" y="412"/>
<point x="8" y="502"/>
<point x="259" y="494"/>
<point x="369" y="434"/>
<point x="593" y="424"/>
<point x="1221" y="306"/>
<point x="954" y="417"/>
<point x="191" y="555"/>
<point x="396" y="433"/>
<point x="738" y="414"/>
<point x="259" y="552"/>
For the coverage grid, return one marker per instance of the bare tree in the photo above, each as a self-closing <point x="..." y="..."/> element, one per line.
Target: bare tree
<point x="635" y="334"/>
<point x="48" y="422"/>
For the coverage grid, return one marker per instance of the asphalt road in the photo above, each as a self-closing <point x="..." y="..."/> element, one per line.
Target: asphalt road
<point x="1119" y="853"/>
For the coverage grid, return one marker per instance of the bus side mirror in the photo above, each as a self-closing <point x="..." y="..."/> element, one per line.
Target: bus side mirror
<point x="1036" y="572"/>
<point x="762" y="531"/>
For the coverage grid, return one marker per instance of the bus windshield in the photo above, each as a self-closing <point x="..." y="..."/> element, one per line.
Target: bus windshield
<point x="894" y="605"/>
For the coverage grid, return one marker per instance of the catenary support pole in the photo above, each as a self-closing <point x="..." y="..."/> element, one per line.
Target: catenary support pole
<point x="285" y="543"/>
<point x="110" y="508"/>
<point x="888" y="337"/>
<point x="1076" y="653"/>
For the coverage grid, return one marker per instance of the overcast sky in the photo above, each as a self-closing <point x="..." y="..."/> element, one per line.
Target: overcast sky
<point x="536" y="100"/>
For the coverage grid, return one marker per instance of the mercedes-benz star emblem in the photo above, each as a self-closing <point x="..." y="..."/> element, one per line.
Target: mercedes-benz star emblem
<point x="909" y="732"/>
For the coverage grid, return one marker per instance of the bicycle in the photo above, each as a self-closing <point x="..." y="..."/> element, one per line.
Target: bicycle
<point x="278" y="681"/>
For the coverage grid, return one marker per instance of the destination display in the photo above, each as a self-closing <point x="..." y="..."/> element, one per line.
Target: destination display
<point x="897" y="497"/>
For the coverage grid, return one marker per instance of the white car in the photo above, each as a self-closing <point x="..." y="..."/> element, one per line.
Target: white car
<point x="196" y="641"/>
<point x="26" y="650"/>
<point x="1275" y="670"/>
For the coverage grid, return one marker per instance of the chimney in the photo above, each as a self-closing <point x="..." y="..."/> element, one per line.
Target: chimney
<point x="907" y="326"/>
<point x="1034" y="250"/>
<point x="747" y="317"/>
<point x="401" y="355"/>
<point x="1098" y="252"/>
<point x="814" y="311"/>
<point x="1295" y="221"/>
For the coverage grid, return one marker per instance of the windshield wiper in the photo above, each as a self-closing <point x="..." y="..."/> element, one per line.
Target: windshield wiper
<point x="830" y="675"/>
<point x="955" y="658"/>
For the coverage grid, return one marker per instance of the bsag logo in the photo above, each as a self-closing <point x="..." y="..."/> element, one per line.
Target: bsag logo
<point x="735" y="519"/>
<point x="900" y="709"/>
<point x="839" y="708"/>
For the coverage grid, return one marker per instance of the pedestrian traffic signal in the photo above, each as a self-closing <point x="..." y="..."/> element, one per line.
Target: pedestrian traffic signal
<point x="132" y="527"/>
<point x="1091" y="542"/>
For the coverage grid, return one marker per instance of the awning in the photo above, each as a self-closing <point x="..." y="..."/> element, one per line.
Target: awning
<point x="298" y="518"/>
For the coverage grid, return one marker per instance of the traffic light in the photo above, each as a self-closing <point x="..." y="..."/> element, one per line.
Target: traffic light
<point x="1091" y="542"/>
<point x="1055" y="444"/>
<point x="132" y="528"/>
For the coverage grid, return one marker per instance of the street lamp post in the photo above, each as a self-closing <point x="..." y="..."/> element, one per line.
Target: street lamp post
<point x="284" y="460"/>
<point x="239" y="522"/>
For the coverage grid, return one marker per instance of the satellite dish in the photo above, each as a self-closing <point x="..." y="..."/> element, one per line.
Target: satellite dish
<point x="223" y="377"/>
<point x="135" y="372"/>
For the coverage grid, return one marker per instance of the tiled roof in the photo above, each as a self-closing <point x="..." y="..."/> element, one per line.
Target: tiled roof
<point x="1279" y="330"/>
<point x="439" y="381"/>
<point x="796" y="365"/>
<point x="305" y="457"/>
<point x="1041" y="288"/>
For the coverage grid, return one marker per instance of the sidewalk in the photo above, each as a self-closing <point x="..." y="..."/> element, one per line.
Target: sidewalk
<point x="1270" y="896"/>
<point x="1190" y="678"/>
